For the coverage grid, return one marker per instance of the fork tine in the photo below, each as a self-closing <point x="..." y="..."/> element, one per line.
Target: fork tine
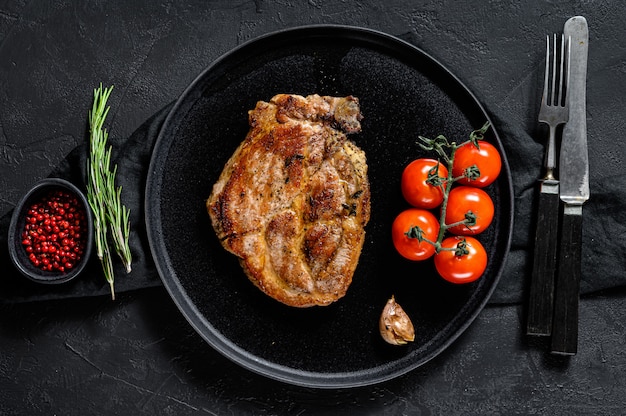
<point x="553" y="94"/>
<point x="556" y="75"/>
<point x="562" y="80"/>
<point x="546" y="72"/>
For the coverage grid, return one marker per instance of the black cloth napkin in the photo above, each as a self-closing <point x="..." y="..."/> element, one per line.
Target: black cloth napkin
<point x="133" y="159"/>
<point x="603" y="263"/>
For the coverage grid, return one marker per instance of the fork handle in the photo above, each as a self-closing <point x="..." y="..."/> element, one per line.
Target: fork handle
<point x="541" y="296"/>
<point x="565" y="324"/>
<point x="550" y="162"/>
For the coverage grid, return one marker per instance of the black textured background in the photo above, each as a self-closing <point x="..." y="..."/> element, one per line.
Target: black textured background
<point x="138" y="355"/>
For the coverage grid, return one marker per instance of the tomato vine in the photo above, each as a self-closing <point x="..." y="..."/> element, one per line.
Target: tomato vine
<point x="446" y="151"/>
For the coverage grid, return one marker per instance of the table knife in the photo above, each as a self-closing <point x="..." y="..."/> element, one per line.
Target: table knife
<point x="573" y="192"/>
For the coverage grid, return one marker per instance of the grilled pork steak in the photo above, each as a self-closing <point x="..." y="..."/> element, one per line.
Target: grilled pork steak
<point x="293" y="200"/>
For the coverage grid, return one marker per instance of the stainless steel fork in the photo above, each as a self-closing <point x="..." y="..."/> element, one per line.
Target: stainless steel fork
<point x="554" y="111"/>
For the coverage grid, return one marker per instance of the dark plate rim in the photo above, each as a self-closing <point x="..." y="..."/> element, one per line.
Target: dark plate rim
<point x="178" y="293"/>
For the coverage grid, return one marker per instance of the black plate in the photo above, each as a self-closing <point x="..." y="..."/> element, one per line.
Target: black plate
<point x="403" y="93"/>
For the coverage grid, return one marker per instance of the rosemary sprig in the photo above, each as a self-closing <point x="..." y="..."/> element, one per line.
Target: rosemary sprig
<point x="105" y="200"/>
<point x="119" y="217"/>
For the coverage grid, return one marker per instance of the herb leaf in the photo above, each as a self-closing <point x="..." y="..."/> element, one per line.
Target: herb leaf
<point x="110" y="215"/>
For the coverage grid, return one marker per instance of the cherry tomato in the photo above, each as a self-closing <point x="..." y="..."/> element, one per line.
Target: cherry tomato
<point x="486" y="159"/>
<point x="416" y="189"/>
<point x="464" y="201"/>
<point x="404" y="233"/>
<point x="462" y="268"/>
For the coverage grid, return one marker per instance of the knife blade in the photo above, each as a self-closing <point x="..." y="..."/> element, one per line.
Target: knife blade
<point x="573" y="192"/>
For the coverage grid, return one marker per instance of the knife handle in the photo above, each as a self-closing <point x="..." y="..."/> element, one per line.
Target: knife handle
<point x="541" y="296"/>
<point x="565" y="323"/>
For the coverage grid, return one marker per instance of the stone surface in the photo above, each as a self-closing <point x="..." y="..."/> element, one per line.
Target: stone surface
<point x="138" y="355"/>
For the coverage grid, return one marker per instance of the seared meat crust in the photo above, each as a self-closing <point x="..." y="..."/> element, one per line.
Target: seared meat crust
<point x="294" y="198"/>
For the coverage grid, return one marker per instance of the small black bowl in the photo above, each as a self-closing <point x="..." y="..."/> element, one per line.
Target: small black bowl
<point x="19" y="255"/>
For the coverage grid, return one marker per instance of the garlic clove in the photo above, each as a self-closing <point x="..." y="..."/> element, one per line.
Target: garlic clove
<point x="395" y="325"/>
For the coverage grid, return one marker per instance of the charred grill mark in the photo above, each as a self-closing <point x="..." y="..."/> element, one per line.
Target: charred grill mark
<point x="320" y="245"/>
<point x="220" y="212"/>
<point x="322" y="203"/>
<point x="290" y="159"/>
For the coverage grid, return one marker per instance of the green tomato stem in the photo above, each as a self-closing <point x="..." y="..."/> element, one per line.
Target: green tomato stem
<point x="446" y="193"/>
<point x="439" y="145"/>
